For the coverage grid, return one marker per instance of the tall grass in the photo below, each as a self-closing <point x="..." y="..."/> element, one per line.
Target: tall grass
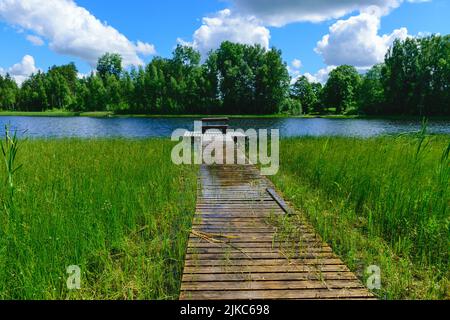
<point x="118" y="209"/>
<point x="378" y="201"/>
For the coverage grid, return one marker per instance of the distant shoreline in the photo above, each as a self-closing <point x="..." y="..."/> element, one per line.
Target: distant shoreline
<point x="66" y="114"/>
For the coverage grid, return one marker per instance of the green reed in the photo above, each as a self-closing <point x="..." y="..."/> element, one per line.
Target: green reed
<point x="118" y="209"/>
<point x="390" y="193"/>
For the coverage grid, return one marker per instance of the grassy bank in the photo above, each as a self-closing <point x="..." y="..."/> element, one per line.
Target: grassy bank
<point x="382" y="201"/>
<point x="118" y="209"/>
<point x="121" y="211"/>
<point x="105" y="114"/>
<point x="55" y="113"/>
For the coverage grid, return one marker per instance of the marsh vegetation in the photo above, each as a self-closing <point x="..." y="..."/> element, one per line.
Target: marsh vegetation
<point x="118" y="209"/>
<point x="380" y="201"/>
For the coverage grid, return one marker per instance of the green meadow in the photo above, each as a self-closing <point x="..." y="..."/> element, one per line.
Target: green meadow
<point x="118" y="209"/>
<point x="121" y="211"/>
<point x="380" y="201"/>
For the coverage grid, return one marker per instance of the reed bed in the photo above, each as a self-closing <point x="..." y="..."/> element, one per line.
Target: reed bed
<point x="382" y="201"/>
<point x="118" y="209"/>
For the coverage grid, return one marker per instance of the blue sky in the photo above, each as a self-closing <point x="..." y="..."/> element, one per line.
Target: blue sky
<point x="35" y="34"/>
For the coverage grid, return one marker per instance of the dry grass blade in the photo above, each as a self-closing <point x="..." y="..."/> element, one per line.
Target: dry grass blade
<point x="210" y="238"/>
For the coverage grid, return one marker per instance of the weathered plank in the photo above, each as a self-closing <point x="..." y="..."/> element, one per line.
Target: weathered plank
<point x="272" y="285"/>
<point x="262" y="262"/>
<point x="263" y="269"/>
<point x="250" y="251"/>
<point x="292" y="276"/>
<point x="276" y="294"/>
<point x="236" y="251"/>
<point x="256" y="256"/>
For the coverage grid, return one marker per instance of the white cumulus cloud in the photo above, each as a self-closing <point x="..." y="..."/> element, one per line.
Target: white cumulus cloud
<point x="22" y="70"/>
<point x="145" y="48"/>
<point x="37" y="41"/>
<point x="296" y="63"/>
<point x="281" y="12"/>
<point x="71" y="30"/>
<point x="356" y="42"/>
<point x="320" y="76"/>
<point x="294" y="69"/>
<point x="225" y="25"/>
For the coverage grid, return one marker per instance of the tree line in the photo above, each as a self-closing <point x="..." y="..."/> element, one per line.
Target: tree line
<point x="243" y="79"/>
<point x="413" y="80"/>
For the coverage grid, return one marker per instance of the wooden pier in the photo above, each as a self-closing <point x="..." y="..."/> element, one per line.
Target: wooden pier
<point x="236" y="252"/>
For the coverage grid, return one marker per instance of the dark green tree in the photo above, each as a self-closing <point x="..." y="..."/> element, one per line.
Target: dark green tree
<point x="96" y="100"/>
<point x="416" y="76"/>
<point x="109" y="64"/>
<point x="9" y="92"/>
<point x="251" y="80"/>
<point x="303" y="90"/>
<point x="341" y="89"/>
<point x="33" y="96"/>
<point x="371" y="97"/>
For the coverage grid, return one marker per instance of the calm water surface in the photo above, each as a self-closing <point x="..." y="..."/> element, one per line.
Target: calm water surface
<point x="81" y="127"/>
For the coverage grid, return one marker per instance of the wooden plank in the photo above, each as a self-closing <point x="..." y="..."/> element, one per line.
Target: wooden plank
<point x="235" y="202"/>
<point x="252" y="207"/>
<point x="234" y="222"/>
<point x="244" y="226"/>
<point x="238" y="219"/>
<point x="257" y="256"/>
<point x="232" y="230"/>
<point x="237" y="252"/>
<point x="276" y="294"/>
<point x="292" y="276"/>
<point x="254" y="244"/>
<point x="215" y="119"/>
<point x="254" y="237"/>
<point x="261" y="262"/>
<point x="271" y="285"/>
<point x="194" y="250"/>
<point x="220" y="197"/>
<point x="264" y="269"/>
<point x="279" y="201"/>
<point x="264" y="215"/>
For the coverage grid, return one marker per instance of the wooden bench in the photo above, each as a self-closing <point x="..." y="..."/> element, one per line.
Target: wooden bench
<point x="234" y="136"/>
<point x="208" y="134"/>
<point x="207" y="124"/>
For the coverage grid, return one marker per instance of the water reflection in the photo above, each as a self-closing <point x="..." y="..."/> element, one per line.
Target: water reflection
<point x="81" y="127"/>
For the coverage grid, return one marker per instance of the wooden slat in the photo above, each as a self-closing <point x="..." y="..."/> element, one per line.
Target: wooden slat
<point x="250" y="243"/>
<point x="263" y="269"/>
<point x="215" y="119"/>
<point x="250" y="251"/>
<point x="276" y="294"/>
<point x="271" y="285"/>
<point x="261" y="262"/>
<point x="256" y="256"/>
<point x="292" y="276"/>
<point x="236" y="251"/>
<point x="252" y="237"/>
<point x="279" y="200"/>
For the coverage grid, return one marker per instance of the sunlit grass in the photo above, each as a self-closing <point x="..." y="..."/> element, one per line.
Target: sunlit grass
<point x="381" y="201"/>
<point x="122" y="211"/>
<point x="118" y="209"/>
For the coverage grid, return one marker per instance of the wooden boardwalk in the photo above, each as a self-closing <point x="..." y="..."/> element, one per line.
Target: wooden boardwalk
<point x="236" y="252"/>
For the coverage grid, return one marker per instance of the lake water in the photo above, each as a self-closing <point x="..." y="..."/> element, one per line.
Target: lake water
<point x="81" y="127"/>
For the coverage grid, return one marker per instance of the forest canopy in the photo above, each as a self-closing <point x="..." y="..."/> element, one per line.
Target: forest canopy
<point x="243" y="79"/>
